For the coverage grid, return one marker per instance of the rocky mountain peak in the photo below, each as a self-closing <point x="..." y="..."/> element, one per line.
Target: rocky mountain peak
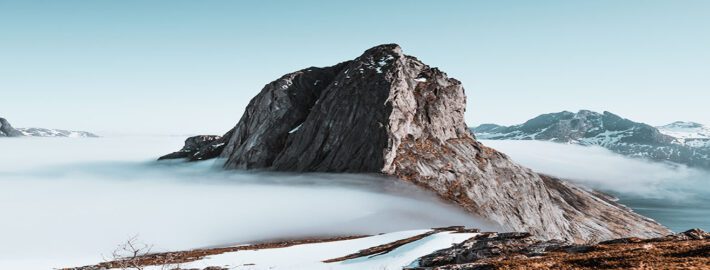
<point x="389" y="113"/>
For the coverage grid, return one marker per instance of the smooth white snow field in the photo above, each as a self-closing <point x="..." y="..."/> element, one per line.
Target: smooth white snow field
<point x="69" y="201"/>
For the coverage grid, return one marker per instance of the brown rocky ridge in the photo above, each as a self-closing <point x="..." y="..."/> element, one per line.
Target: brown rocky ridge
<point x="492" y="251"/>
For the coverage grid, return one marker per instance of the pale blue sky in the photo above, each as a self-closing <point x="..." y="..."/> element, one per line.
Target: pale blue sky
<point x="192" y="66"/>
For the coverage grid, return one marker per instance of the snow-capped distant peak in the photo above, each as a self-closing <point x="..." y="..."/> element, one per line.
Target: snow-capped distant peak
<point x="686" y="130"/>
<point x="680" y="142"/>
<point x="46" y="132"/>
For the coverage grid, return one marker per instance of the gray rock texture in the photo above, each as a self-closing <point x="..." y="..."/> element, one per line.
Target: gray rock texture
<point x="6" y="130"/>
<point x="274" y="115"/>
<point x="389" y="113"/>
<point x="199" y="147"/>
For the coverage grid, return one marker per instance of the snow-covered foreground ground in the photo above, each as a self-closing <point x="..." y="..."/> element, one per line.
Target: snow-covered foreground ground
<point x="69" y="202"/>
<point x="311" y="256"/>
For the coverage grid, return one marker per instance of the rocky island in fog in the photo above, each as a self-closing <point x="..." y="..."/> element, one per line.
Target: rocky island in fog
<point x="387" y="112"/>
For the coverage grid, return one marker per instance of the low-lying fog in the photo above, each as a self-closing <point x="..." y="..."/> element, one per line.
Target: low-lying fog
<point x="68" y="202"/>
<point x="674" y="195"/>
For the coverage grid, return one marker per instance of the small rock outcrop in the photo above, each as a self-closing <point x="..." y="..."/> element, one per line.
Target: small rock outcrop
<point x="198" y="148"/>
<point x="6" y="130"/>
<point x="486" y="246"/>
<point x="387" y="112"/>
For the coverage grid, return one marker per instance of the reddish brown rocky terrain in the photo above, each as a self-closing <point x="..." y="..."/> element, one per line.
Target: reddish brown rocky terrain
<point x="687" y="250"/>
<point x="487" y="251"/>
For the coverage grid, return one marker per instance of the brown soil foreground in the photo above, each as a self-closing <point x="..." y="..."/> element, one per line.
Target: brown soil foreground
<point x="490" y="251"/>
<point x="692" y="254"/>
<point x="179" y="257"/>
<point x="687" y="250"/>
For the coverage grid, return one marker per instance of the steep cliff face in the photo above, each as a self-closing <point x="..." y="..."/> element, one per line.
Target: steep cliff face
<point x="273" y="115"/>
<point x="386" y="112"/>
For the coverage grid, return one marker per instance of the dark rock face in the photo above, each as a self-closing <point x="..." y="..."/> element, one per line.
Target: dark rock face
<point x="490" y="245"/>
<point x="274" y="115"/>
<point x="386" y="112"/>
<point x="606" y="129"/>
<point x="6" y="130"/>
<point x="198" y="148"/>
<point x="346" y="130"/>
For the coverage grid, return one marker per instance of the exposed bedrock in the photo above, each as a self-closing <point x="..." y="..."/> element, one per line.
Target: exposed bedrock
<point x="687" y="250"/>
<point x="6" y="130"/>
<point x="386" y="112"/>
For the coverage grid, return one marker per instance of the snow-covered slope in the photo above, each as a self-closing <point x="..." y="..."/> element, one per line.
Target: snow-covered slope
<point x="688" y="133"/>
<point x="312" y="256"/>
<point x="680" y="142"/>
<point x="45" y="132"/>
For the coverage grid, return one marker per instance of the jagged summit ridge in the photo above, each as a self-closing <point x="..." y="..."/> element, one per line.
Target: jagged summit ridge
<point x="387" y="112"/>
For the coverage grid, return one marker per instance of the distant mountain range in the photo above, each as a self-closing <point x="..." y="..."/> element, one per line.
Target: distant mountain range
<point x="6" y="130"/>
<point x="679" y="142"/>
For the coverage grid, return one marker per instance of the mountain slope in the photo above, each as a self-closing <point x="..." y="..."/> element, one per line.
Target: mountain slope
<point x="606" y="130"/>
<point x="389" y="113"/>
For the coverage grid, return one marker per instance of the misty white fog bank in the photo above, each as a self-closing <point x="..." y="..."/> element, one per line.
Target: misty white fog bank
<point x="66" y="202"/>
<point x="674" y="195"/>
